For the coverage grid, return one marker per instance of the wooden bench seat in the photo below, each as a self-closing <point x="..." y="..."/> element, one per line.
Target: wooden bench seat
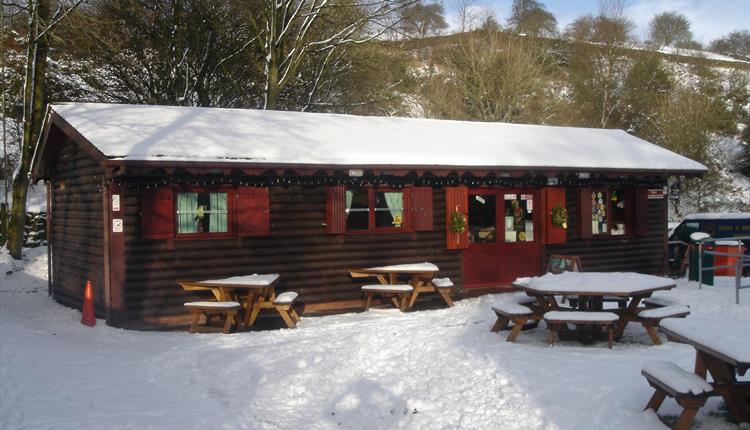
<point x="508" y="312"/>
<point x="657" y="302"/>
<point x="227" y="309"/>
<point x="398" y="293"/>
<point x="650" y="318"/>
<point x="283" y="304"/>
<point x="556" y="319"/>
<point x="688" y="389"/>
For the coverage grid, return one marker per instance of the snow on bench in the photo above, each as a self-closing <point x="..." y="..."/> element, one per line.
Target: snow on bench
<point x="580" y="317"/>
<point x="285" y="298"/>
<point x="511" y="309"/>
<point x="393" y="288"/>
<point x="556" y="319"/>
<point x="658" y="301"/>
<point x="227" y="309"/>
<point x="442" y="283"/>
<point x="670" y="311"/>
<point x="674" y="379"/>
<point x="399" y="294"/>
<point x="213" y="305"/>
<point x="688" y="389"/>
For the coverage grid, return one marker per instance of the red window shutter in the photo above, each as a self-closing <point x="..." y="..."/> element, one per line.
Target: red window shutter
<point x="421" y="208"/>
<point x="336" y="210"/>
<point x="157" y="213"/>
<point x="253" y="212"/>
<point x="640" y="203"/>
<point x="584" y="213"/>
<point x="552" y="198"/>
<point x="456" y="199"/>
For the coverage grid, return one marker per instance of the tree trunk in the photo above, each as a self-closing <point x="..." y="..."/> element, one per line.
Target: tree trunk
<point x="34" y="103"/>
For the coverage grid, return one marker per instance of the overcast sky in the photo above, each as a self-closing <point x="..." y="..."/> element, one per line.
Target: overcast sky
<point x="709" y="19"/>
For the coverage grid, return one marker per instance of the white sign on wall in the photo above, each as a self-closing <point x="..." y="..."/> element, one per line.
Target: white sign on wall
<point x="115" y="203"/>
<point x="117" y="225"/>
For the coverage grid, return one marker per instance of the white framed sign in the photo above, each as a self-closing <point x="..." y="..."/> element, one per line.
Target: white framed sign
<point x="117" y="225"/>
<point x="115" y="203"/>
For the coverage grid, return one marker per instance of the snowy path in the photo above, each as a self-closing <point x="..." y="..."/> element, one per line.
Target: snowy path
<point x="437" y="369"/>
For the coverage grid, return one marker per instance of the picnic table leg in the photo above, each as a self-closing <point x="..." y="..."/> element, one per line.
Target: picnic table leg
<point x="228" y="323"/>
<point x="254" y="313"/>
<point x="248" y="308"/>
<point x="656" y="400"/>
<point x="552" y="332"/>
<point x="700" y="366"/>
<point x="196" y="319"/>
<point x="628" y="314"/>
<point x="287" y="318"/>
<point x="516" y="329"/>
<point x="368" y="300"/>
<point x="724" y="376"/>
<point x="651" y="330"/>
<point x="610" y="329"/>
<point x="501" y="324"/>
<point x="446" y="296"/>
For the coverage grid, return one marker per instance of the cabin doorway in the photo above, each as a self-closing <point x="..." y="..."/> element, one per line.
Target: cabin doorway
<point x="504" y="236"/>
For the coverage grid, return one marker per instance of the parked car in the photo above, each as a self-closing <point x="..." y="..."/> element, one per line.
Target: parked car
<point x="718" y="225"/>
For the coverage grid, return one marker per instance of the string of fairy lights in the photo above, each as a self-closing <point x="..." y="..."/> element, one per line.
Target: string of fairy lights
<point x="368" y="178"/>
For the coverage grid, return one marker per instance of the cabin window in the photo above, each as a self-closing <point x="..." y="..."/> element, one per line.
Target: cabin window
<point x="202" y="212"/>
<point x="375" y="210"/>
<point x="185" y="213"/>
<point x="519" y="217"/>
<point x="482" y="219"/>
<point x="608" y="215"/>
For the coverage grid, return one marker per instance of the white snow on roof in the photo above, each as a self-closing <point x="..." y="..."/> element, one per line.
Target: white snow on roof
<point x="719" y="215"/>
<point x="168" y="133"/>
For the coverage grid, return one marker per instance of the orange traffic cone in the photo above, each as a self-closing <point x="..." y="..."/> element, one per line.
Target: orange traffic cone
<point x="88" y="317"/>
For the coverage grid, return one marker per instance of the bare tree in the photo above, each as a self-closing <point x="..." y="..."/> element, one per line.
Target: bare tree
<point x="422" y="19"/>
<point x="597" y="71"/>
<point x="489" y="76"/>
<point x="41" y="22"/>
<point x="670" y="29"/>
<point x="289" y="32"/>
<point x="736" y="43"/>
<point x="530" y="17"/>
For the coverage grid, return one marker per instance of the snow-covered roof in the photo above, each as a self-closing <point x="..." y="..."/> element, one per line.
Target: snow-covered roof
<point x="174" y="134"/>
<point x="718" y="215"/>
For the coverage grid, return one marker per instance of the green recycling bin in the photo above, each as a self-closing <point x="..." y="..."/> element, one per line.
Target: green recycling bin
<point x="708" y="260"/>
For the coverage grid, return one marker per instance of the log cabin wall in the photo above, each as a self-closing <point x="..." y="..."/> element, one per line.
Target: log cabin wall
<point x="76" y="227"/>
<point x="309" y="261"/>
<point x="645" y="254"/>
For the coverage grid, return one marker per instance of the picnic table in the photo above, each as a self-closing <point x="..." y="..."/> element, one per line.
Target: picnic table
<point x="254" y="293"/>
<point x="420" y="278"/>
<point x="722" y="349"/>
<point x="591" y="288"/>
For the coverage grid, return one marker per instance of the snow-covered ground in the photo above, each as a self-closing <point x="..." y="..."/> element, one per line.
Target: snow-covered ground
<point x="430" y="369"/>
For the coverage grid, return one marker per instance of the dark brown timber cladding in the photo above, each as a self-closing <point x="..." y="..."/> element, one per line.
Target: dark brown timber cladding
<point x="309" y="261"/>
<point x="75" y="235"/>
<point x="644" y="254"/>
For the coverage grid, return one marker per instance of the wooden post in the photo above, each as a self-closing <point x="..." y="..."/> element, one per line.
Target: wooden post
<point x="114" y="254"/>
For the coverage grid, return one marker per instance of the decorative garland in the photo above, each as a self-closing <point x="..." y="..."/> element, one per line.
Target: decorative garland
<point x="458" y="222"/>
<point x="559" y="217"/>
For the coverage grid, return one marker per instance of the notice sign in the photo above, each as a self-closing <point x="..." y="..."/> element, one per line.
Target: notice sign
<point x="115" y="203"/>
<point x="117" y="225"/>
<point x="655" y="193"/>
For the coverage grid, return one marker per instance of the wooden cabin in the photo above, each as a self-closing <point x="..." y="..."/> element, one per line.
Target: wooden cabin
<point x="143" y="196"/>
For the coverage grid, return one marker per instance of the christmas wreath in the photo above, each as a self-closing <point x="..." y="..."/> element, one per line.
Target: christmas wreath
<point x="559" y="217"/>
<point x="458" y="222"/>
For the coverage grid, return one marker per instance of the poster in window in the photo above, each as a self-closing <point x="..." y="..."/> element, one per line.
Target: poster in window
<point x="529" y="231"/>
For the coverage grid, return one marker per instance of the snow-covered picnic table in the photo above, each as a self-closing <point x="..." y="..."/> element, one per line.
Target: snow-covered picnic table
<point x="420" y="278"/>
<point x="723" y="350"/>
<point x="254" y="292"/>
<point x="592" y="287"/>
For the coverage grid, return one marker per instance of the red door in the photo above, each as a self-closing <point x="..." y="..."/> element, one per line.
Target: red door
<point x="504" y="236"/>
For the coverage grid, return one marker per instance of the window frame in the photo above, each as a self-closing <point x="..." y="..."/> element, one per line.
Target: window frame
<point x="231" y="224"/>
<point x="629" y="200"/>
<point x="371" y="227"/>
